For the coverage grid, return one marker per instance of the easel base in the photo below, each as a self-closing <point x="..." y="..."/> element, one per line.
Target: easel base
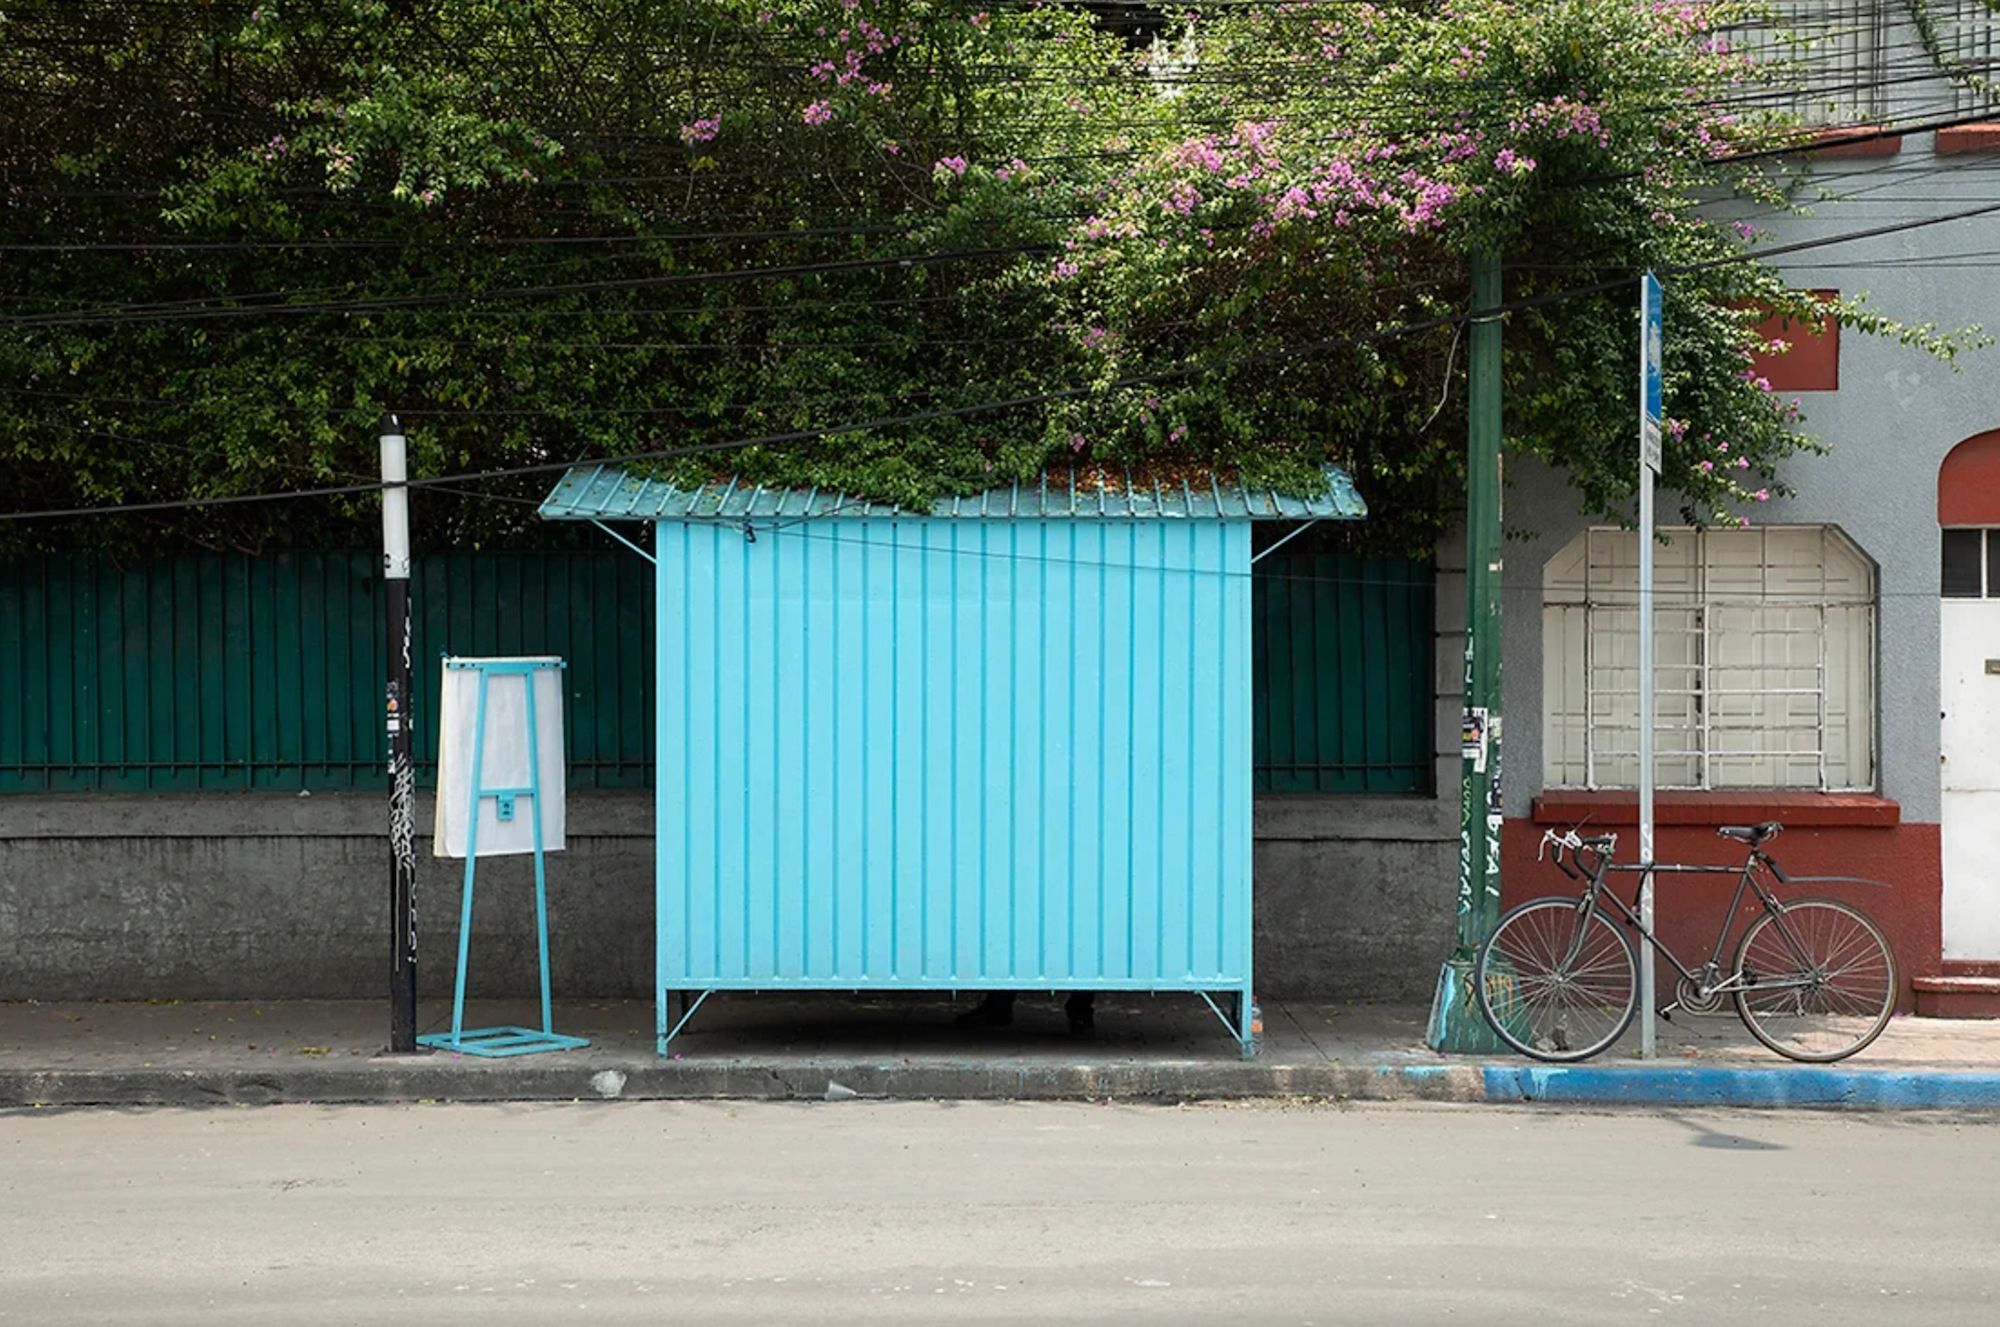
<point x="496" y="1042"/>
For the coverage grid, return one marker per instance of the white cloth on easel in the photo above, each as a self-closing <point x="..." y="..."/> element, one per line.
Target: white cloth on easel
<point x="505" y="758"/>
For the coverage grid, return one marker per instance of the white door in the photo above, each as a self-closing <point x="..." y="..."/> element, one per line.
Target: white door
<point x="1970" y="742"/>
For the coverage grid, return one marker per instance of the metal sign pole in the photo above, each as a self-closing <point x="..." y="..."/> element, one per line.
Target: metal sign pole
<point x="402" y="772"/>
<point x="1651" y="344"/>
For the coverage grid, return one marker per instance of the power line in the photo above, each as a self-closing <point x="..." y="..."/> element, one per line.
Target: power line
<point x="189" y="449"/>
<point x="205" y="308"/>
<point x="208" y="308"/>
<point x="169" y="244"/>
<point x="1415" y="101"/>
<point x="1265" y="572"/>
<point x="991" y="407"/>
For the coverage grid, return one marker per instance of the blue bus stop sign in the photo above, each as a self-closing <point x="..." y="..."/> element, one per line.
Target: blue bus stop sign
<point x="1652" y="342"/>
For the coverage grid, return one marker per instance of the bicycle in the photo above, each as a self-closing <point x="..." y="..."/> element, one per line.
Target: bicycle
<point x="1813" y="979"/>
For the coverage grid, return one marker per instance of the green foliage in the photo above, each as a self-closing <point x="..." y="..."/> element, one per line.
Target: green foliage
<point x="539" y="230"/>
<point x="1334" y="201"/>
<point x="546" y="230"/>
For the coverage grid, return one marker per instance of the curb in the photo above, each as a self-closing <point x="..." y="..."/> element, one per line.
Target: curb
<point x="1851" y="1089"/>
<point x="388" y="1083"/>
<point x="423" y="1081"/>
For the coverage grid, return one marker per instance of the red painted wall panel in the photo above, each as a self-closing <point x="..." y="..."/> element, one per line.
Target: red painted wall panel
<point x="1856" y="140"/>
<point x="1687" y="909"/>
<point x="1965" y="138"/>
<point x="1969" y="482"/>
<point x="1813" y="362"/>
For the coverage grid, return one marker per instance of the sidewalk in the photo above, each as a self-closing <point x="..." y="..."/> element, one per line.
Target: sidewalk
<point x="834" y="1047"/>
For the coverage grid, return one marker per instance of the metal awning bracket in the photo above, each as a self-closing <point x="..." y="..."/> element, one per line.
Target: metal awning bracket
<point x="1286" y="540"/>
<point x="627" y="542"/>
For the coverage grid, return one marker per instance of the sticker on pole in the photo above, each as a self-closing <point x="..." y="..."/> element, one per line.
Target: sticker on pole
<point x="1652" y="353"/>
<point x="1472" y="738"/>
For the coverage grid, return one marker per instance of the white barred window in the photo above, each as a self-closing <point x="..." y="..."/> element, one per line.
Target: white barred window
<point x="1765" y="660"/>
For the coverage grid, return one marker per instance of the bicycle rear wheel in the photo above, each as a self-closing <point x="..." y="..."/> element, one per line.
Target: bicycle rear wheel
<point x="1818" y="980"/>
<point x="1555" y="990"/>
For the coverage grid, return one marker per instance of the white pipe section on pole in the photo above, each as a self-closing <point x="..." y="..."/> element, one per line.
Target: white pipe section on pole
<point x="395" y="501"/>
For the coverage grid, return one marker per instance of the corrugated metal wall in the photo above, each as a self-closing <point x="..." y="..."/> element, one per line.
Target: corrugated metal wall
<point x="224" y="671"/>
<point x="955" y="753"/>
<point x="1345" y="673"/>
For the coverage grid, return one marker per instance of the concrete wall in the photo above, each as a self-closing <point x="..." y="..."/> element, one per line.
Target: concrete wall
<point x="265" y="896"/>
<point x="1357" y="896"/>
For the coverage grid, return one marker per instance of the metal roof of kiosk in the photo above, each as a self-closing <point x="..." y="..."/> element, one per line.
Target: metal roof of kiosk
<point x="608" y="493"/>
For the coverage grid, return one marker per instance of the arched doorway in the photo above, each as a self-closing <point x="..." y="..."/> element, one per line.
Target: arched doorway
<point x="1969" y="696"/>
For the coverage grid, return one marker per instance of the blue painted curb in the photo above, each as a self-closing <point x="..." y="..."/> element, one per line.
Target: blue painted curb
<point x="1683" y="1086"/>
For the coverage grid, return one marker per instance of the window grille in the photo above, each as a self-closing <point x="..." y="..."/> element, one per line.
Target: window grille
<point x="1824" y="58"/>
<point x="1853" y="62"/>
<point x="1969" y="38"/>
<point x="1764" y="661"/>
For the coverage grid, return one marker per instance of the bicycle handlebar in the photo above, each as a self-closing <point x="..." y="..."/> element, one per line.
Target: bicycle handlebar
<point x="1601" y="844"/>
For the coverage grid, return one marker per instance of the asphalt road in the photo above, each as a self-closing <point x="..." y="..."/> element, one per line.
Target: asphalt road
<point x="990" y="1213"/>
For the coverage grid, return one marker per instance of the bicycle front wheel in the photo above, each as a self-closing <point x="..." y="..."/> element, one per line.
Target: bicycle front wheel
<point x="1557" y="982"/>
<point x="1817" y="981"/>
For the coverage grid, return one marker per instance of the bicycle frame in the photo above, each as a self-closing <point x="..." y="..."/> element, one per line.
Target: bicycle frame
<point x="1747" y="881"/>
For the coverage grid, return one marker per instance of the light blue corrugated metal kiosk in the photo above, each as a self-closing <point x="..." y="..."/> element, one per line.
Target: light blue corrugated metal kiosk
<point x="1002" y="746"/>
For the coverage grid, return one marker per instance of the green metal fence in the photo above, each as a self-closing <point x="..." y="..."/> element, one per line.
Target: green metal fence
<point x="223" y="671"/>
<point x="1344" y="673"/>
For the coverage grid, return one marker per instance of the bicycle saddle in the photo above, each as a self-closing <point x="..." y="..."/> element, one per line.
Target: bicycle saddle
<point x="1751" y="834"/>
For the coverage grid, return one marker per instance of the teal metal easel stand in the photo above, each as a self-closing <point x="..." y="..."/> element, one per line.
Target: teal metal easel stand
<point x="502" y="1041"/>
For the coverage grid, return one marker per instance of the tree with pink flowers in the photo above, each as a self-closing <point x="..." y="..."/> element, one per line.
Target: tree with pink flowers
<point x="934" y="245"/>
<point x="1298" y="200"/>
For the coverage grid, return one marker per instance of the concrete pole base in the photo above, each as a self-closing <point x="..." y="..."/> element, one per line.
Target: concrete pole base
<point x="1457" y="1027"/>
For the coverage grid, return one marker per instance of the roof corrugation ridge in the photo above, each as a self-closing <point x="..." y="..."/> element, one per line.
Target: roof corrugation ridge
<point x="597" y="491"/>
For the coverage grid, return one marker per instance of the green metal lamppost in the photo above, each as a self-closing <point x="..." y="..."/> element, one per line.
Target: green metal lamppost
<point x="1456" y="1024"/>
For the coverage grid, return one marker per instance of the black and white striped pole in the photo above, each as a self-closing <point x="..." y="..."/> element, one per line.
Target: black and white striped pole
<point x="399" y="721"/>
